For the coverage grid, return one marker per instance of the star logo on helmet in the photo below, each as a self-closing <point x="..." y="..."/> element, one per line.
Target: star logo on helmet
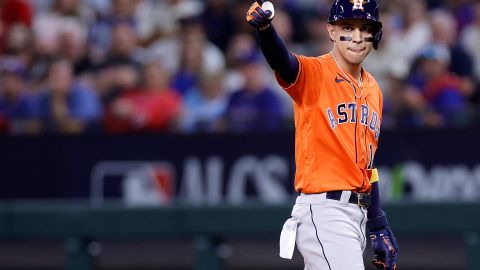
<point x="358" y="4"/>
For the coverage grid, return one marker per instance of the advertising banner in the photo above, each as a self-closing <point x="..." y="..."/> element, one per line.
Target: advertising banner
<point x="213" y="169"/>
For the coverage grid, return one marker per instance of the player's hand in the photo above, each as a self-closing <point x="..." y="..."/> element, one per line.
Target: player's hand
<point x="260" y="14"/>
<point x="386" y="249"/>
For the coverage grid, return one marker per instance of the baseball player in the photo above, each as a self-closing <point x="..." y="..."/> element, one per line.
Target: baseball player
<point x="338" y="112"/>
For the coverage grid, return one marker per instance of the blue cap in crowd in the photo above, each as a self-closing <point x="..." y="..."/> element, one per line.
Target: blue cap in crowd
<point x="437" y="52"/>
<point x="249" y="57"/>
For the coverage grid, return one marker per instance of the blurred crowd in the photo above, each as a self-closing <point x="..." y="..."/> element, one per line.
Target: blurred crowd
<point x="193" y="66"/>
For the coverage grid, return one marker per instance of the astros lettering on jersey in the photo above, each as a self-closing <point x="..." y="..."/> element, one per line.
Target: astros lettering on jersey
<point x="338" y="154"/>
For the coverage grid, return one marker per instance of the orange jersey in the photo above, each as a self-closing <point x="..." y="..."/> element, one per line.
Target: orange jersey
<point x="336" y="131"/>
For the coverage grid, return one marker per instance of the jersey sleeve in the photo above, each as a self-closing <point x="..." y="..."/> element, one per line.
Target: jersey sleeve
<point x="309" y="75"/>
<point x="381" y="104"/>
<point x="380" y="100"/>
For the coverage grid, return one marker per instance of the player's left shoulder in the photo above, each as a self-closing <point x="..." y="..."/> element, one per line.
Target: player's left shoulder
<point x="371" y="83"/>
<point x="369" y="78"/>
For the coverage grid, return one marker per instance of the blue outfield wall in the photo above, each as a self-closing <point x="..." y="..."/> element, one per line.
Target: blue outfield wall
<point x="164" y="168"/>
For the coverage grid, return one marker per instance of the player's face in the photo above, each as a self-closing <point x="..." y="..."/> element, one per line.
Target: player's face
<point x="352" y="39"/>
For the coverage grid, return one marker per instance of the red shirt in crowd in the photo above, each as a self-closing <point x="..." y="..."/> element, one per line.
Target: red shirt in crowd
<point x="142" y="111"/>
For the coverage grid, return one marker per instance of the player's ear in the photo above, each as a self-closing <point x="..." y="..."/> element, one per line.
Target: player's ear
<point x="331" y="32"/>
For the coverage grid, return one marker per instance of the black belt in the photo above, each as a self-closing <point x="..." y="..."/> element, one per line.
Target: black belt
<point x="362" y="199"/>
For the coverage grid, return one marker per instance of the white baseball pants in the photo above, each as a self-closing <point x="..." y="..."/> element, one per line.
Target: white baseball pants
<point x="329" y="234"/>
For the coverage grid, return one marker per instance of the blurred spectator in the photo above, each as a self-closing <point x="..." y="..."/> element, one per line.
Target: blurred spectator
<point x="41" y="6"/>
<point x="195" y="56"/>
<point x="410" y="32"/>
<point x="18" y="42"/>
<point x="435" y="96"/>
<point x="170" y="49"/>
<point x="99" y="7"/>
<point x="243" y="44"/>
<point x="17" y="107"/>
<point x="64" y="16"/>
<point x="394" y="104"/>
<point x="14" y="12"/>
<point x="155" y="20"/>
<point x="154" y="107"/>
<point x="376" y="63"/>
<point x="187" y="76"/>
<point x="121" y="68"/>
<point x="205" y="106"/>
<point x="218" y="21"/>
<point x="101" y="31"/>
<point x="240" y="45"/>
<point x="435" y="4"/>
<point x="255" y="107"/>
<point x="389" y="74"/>
<point x="284" y="27"/>
<point x="63" y="19"/>
<point x="74" y="48"/>
<point x="299" y="13"/>
<point x="318" y="41"/>
<point x="66" y="105"/>
<point x="444" y="30"/>
<point x="202" y="45"/>
<point x="470" y="39"/>
<point x="464" y="12"/>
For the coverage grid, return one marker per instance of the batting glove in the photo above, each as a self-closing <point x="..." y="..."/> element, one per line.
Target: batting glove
<point x="260" y="14"/>
<point x="384" y="243"/>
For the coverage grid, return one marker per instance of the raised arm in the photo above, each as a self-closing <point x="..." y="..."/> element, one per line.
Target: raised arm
<point x="285" y="64"/>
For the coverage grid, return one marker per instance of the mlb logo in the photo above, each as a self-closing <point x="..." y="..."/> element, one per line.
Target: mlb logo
<point x="149" y="184"/>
